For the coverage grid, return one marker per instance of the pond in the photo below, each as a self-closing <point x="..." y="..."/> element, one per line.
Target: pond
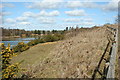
<point x="17" y="40"/>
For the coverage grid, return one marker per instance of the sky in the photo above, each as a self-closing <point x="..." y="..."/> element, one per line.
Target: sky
<point x="57" y="14"/>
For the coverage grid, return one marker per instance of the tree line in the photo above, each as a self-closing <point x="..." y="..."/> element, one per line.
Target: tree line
<point x="20" y="32"/>
<point x="29" y="33"/>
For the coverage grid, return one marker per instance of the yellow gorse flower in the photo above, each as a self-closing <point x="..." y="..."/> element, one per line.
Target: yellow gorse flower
<point x="7" y="47"/>
<point x="2" y="43"/>
<point x="8" y="70"/>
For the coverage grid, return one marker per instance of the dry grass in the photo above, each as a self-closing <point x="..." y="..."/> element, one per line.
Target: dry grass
<point x="75" y="57"/>
<point x="34" y="54"/>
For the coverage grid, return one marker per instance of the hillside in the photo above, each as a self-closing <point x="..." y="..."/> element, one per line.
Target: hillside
<point x="74" y="57"/>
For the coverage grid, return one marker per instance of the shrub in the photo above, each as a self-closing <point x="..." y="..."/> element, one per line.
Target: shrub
<point x="47" y="38"/>
<point x="8" y="70"/>
<point x="50" y="38"/>
<point x="42" y="41"/>
<point x="34" y="42"/>
<point x="20" y="47"/>
<point x="55" y="37"/>
<point x="2" y="46"/>
<point x="60" y="36"/>
<point x="31" y="43"/>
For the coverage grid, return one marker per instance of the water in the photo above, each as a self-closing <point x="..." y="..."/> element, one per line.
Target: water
<point x="16" y="41"/>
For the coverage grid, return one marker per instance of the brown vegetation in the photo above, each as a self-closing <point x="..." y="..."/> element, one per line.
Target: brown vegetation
<point x="75" y="57"/>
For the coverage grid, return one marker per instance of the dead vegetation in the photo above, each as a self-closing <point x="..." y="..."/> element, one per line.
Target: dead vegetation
<point x="75" y="57"/>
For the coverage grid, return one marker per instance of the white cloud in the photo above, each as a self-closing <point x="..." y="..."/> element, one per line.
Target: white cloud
<point x="90" y="5"/>
<point x="1" y="6"/>
<point x="88" y="19"/>
<point x="2" y="14"/>
<point x="80" y="24"/>
<point x="52" y="0"/>
<point x="73" y="4"/>
<point x="72" y="20"/>
<point x="5" y="13"/>
<point x="83" y="21"/>
<point x="53" y="13"/>
<point x="23" y="23"/>
<point x="76" y="12"/>
<point x="80" y="4"/>
<point x="21" y="18"/>
<point x="0" y="19"/>
<point x="43" y="13"/>
<point x="44" y="20"/>
<point x="88" y="23"/>
<point x="6" y="5"/>
<point x="28" y="14"/>
<point x="10" y="20"/>
<point x="46" y="4"/>
<point x="111" y="6"/>
<point x="80" y="20"/>
<point x="42" y="17"/>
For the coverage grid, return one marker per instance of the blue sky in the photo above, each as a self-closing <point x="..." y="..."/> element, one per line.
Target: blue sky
<point x="57" y="15"/>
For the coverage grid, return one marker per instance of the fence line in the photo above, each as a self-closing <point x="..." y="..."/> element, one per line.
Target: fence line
<point x="109" y="67"/>
<point x="111" y="70"/>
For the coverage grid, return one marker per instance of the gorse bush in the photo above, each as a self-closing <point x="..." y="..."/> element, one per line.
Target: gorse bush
<point x="51" y="38"/>
<point x="46" y="38"/>
<point x="59" y="36"/>
<point x="20" y="47"/>
<point x="34" y="42"/>
<point x="8" y="70"/>
<point x="31" y="43"/>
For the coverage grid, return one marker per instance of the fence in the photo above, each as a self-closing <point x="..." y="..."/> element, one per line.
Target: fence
<point x="111" y="69"/>
<point x="108" y="71"/>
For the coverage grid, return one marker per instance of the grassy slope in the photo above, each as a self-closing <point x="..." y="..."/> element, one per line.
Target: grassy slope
<point x="74" y="57"/>
<point x="34" y="54"/>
